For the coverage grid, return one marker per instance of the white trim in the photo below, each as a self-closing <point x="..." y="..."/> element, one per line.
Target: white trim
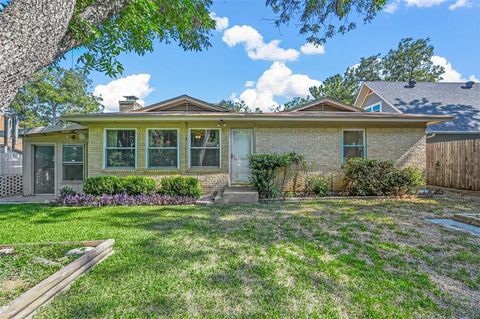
<point x="63" y="162"/>
<point x="372" y="105"/>
<point x="230" y="148"/>
<point x="126" y="168"/>
<point x="166" y="168"/>
<point x="364" y="141"/>
<point x="384" y="99"/>
<point x="189" y="145"/>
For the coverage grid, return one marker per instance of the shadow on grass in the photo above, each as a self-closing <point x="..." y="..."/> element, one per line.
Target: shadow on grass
<point x="281" y="259"/>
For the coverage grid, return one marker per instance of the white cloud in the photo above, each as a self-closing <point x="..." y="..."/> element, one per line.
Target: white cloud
<point x="221" y="23"/>
<point x="450" y="75"/>
<point x="392" y="6"/>
<point x="310" y="48"/>
<point x="423" y="3"/>
<point x="254" y="45"/>
<point x="459" y="4"/>
<point x="249" y="84"/>
<point x="112" y="92"/>
<point x="277" y="81"/>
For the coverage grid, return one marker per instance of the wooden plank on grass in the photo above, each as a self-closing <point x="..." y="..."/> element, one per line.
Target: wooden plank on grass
<point x="42" y="293"/>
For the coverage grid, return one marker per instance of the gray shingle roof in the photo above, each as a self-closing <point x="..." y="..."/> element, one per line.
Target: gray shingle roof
<point x="435" y="98"/>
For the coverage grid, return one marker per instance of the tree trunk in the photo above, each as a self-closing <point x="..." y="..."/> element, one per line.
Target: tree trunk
<point x="32" y="31"/>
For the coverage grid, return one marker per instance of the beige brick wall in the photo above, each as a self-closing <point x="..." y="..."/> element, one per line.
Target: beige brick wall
<point x="211" y="179"/>
<point x="322" y="147"/>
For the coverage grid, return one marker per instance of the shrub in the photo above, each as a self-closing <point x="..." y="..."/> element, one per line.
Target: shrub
<point x="136" y="185"/>
<point x="316" y="185"/>
<point x="100" y="185"/>
<point x="67" y="191"/>
<point x="122" y="200"/>
<point x="366" y="177"/>
<point x="181" y="186"/>
<point x="263" y="171"/>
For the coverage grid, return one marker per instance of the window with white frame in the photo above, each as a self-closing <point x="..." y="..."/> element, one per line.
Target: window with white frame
<point x="120" y="148"/>
<point x="204" y="148"/>
<point x="353" y="144"/>
<point x="162" y="148"/>
<point x="374" y="108"/>
<point x="72" y="162"/>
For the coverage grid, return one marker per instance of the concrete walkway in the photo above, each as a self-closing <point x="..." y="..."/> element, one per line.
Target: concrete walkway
<point x="20" y="199"/>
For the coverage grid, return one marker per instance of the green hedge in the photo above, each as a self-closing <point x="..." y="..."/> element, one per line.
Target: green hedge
<point x="367" y="177"/>
<point x="100" y="185"/>
<point x="136" y="185"/>
<point x="263" y="171"/>
<point x="181" y="186"/>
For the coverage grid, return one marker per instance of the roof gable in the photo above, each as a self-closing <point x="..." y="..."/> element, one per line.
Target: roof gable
<point x="325" y="104"/>
<point x="448" y="98"/>
<point x="183" y="103"/>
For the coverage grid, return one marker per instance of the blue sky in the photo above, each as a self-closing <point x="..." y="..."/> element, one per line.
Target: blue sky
<point x="242" y="51"/>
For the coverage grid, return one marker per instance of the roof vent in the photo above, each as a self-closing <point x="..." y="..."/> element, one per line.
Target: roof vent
<point x="412" y="83"/>
<point x="469" y="84"/>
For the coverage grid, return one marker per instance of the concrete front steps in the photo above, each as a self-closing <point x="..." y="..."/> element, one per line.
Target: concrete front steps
<point x="237" y="195"/>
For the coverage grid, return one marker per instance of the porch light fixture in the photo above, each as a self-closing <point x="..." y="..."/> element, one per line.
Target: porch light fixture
<point x="221" y="123"/>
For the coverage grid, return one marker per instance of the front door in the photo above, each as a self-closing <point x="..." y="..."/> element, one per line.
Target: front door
<point x="44" y="169"/>
<point x="241" y="147"/>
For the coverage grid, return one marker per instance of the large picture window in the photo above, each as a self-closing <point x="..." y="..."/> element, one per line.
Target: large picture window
<point x="205" y="148"/>
<point x="120" y="148"/>
<point x="72" y="162"/>
<point x="162" y="148"/>
<point x="353" y="144"/>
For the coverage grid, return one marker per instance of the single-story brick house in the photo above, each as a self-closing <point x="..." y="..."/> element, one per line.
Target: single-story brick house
<point x="187" y="136"/>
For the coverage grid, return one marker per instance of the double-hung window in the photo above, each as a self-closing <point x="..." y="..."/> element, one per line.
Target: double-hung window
<point x="120" y="148"/>
<point x="374" y="108"/>
<point x="72" y="162"/>
<point x="204" y="148"/>
<point x="162" y="148"/>
<point x="353" y="144"/>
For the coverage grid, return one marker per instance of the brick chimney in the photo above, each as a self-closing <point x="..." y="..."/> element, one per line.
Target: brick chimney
<point x="130" y="104"/>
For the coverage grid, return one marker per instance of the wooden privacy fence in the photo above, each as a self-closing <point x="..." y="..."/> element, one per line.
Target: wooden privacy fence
<point x="454" y="164"/>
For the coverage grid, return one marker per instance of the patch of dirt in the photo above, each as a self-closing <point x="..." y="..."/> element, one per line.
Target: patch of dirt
<point x="11" y="285"/>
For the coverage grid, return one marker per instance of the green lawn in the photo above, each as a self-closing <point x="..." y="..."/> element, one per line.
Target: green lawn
<point x="335" y="259"/>
<point x="28" y="266"/>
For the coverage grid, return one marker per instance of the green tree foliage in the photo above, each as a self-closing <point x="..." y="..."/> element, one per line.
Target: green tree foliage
<point x="322" y="19"/>
<point x="412" y="60"/>
<point x="236" y="106"/>
<point x="136" y="27"/>
<point x="293" y="103"/>
<point x="53" y="92"/>
<point x="338" y="87"/>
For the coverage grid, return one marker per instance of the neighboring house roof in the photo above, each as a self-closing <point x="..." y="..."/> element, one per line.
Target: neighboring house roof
<point x="181" y="100"/>
<point x="436" y="98"/>
<point x="55" y="128"/>
<point x="326" y="101"/>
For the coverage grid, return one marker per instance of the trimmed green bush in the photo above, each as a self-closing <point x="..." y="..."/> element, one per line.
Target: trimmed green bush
<point x="100" y="185"/>
<point x="316" y="185"/>
<point x="111" y="185"/>
<point x="136" y="185"/>
<point x="181" y="186"/>
<point x="263" y="171"/>
<point x="367" y="177"/>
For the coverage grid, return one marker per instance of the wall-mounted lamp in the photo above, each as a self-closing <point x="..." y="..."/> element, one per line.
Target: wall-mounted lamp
<point x="221" y="123"/>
